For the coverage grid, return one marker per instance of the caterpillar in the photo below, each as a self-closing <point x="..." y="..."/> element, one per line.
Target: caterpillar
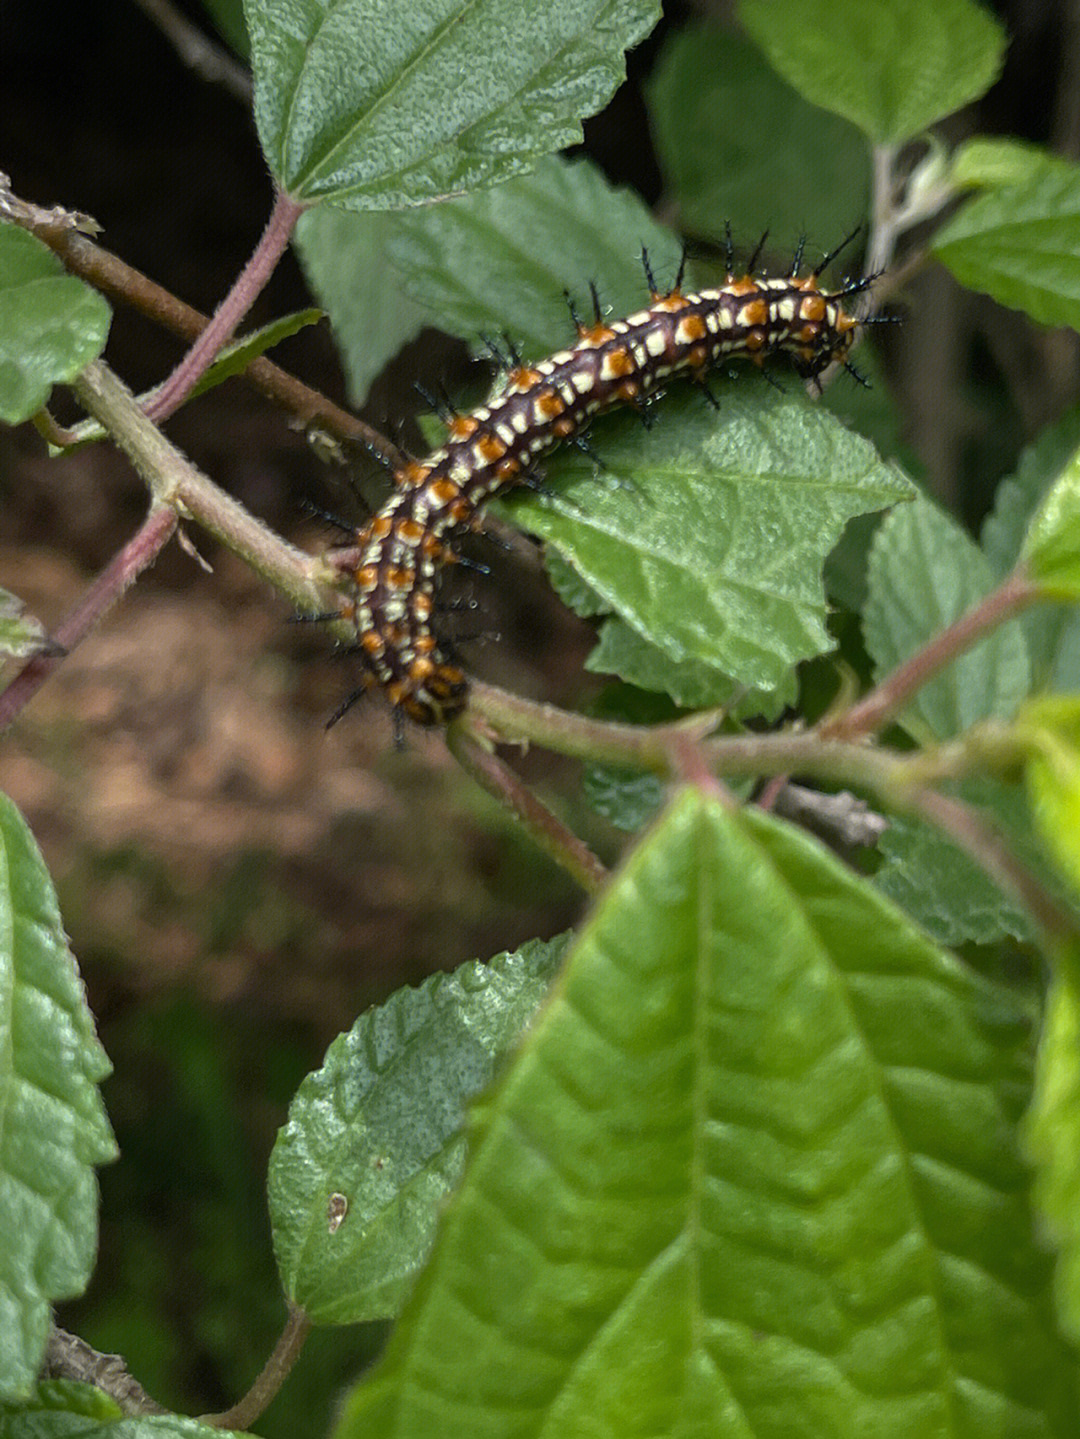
<point x="398" y="555"/>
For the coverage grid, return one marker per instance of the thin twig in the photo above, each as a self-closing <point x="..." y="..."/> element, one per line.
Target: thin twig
<point x="248" y="285"/>
<point x="276" y="1370"/>
<point x="888" y="698"/>
<point x="198" y="52"/>
<point x="138" y="554"/>
<point x="176" y="482"/>
<point x="549" y="832"/>
<point x="69" y="1357"/>
<point x="63" y="232"/>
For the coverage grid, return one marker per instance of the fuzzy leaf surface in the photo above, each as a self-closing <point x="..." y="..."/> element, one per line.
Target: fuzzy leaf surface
<point x="1050" y="726"/>
<point x="1051" y="549"/>
<point x="51" y="324"/>
<point x="708" y="535"/>
<point x="344" y="257"/>
<point x="892" y="67"/>
<point x="53" y="1129"/>
<point x="380" y="1124"/>
<point x="1052" y="632"/>
<point x="378" y="105"/>
<point x="925" y="572"/>
<point x="1021" y="244"/>
<point x="734" y="140"/>
<point x="501" y="261"/>
<point x="753" y="1173"/>
<point x="1053" y="1132"/>
<point x="38" y="1420"/>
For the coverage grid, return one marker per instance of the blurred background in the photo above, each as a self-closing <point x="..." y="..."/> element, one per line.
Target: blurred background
<point x="239" y="883"/>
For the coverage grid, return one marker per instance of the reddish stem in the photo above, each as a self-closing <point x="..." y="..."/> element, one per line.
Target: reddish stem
<point x="276" y="1370"/>
<point x="137" y="555"/>
<point x="249" y="283"/>
<point x="889" y="697"/>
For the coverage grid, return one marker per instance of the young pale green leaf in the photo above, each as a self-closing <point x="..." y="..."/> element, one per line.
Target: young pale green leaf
<point x="378" y="105"/>
<point x="892" y="67"/>
<point x="54" y="1128"/>
<point x="734" y="140"/>
<point x="374" y="1139"/>
<point x="344" y="257"/>
<point x="1053" y="1132"/>
<point x="465" y="262"/>
<point x="708" y="534"/>
<point x="1021" y="244"/>
<point x="1052" y="632"/>
<point x="984" y="164"/>
<point x="925" y="572"/>
<point x="21" y="635"/>
<point x="1050" y="727"/>
<point x="754" y="1171"/>
<point x="51" y="324"/>
<point x="1051" y="549"/>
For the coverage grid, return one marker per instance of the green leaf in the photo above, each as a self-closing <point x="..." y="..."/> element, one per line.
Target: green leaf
<point x="734" y="140"/>
<point x="954" y="900"/>
<point x="982" y="163"/>
<point x="378" y="105"/>
<point x="238" y="356"/>
<point x="1052" y="632"/>
<point x="626" y="798"/>
<point x="691" y="684"/>
<point x="67" y="1395"/>
<point x="344" y="257"/>
<point x="51" y="324"/>
<point x="504" y="259"/>
<point x="753" y="1172"/>
<point x="1051" y="550"/>
<point x="374" y="1139"/>
<point x="1053" y="1132"/>
<point x="228" y="18"/>
<point x="21" y="635"/>
<point x="54" y="1128"/>
<point x="31" y="1422"/>
<point x="924" y="573"/>
<point x="1050" y="727"/>
<point x="708" y="535"/>
<point x="1021" y="244"/>
<point x="892" y="67"/>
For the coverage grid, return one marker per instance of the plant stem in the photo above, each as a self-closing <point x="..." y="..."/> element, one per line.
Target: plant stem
<point x="176" y="482"/>
<point x="129" y="562"/>
<point x="884" y="702"/>
<point x="69" y="1357"/>
<point x="248" y="284"/>
<point x="122" y="283"/>
<point x="549" y="832"/>
<point x="276" y="1370"/>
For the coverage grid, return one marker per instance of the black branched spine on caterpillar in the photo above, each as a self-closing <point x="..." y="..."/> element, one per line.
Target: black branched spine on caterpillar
<point x="535" y="408"/>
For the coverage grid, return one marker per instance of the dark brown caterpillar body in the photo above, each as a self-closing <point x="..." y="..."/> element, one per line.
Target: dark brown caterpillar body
<point x="536" y="408"/>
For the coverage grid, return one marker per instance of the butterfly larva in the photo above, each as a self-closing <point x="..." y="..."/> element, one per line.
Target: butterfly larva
<point x="542" y="405"/>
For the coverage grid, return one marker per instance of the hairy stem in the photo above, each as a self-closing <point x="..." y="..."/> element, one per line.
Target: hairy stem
<point x="549" y="832"/>
<point x="887" y="699"/>
<point x="124" y="284"/>
<point x="276" y="1370"/>
<point x="129" y="562"/>
<point x="249" y="283"/>
<point x="176" y="482"/>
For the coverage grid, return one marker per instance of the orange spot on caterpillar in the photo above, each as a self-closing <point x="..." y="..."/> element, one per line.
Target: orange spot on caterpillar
<point x="691" y="327"/>
<point x="367" y="577"/>
<point x="812" y="307"/>
<point x="564" y="428"/>
<point x="618" y="362"/>
<point x="549" y="403"/>
<point x="522" y="378"/>
<point x="754" y="312"/>
<point x="462" y="427"/>
<point x="411" y="476"/>
<point x="443" y="491"/>
<point x="491" y="447"/>
<point x="596" y="334"/>
<point x="399" y="578"/>
<point x="410" y="530"/>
